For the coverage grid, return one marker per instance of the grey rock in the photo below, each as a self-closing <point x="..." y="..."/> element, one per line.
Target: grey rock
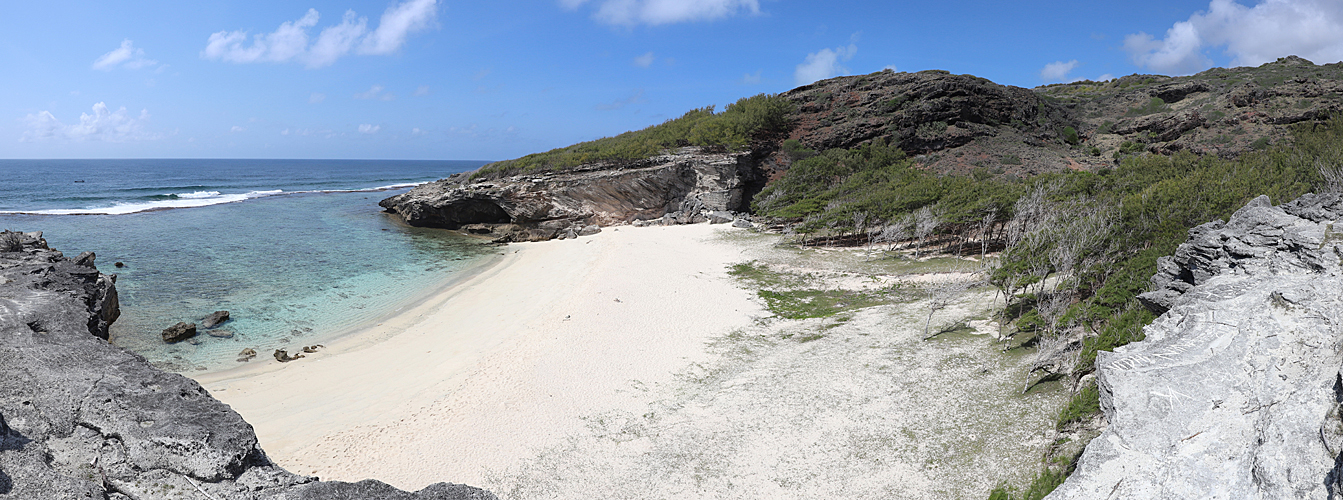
<point x="742" y="223"/>
<point x="589" y="230"/>
<point x="179" y="332"/>
<point x="83" y="419"/>
<point x="215" y="318"/>
<point x="720" y="217"/>
<point x="686" y="180"/>
<point x="1236" y="391"/>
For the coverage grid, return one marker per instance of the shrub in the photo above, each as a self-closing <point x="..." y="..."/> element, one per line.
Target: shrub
<point x="1070" y="136"/>
<point x="11" y="241"/>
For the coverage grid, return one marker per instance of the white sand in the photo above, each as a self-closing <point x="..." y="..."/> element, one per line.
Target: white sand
<point x="488" y="372"/>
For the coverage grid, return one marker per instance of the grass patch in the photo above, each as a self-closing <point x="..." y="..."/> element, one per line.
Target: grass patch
<point x="803" y="304"/>
<point x="1085" y="404"/>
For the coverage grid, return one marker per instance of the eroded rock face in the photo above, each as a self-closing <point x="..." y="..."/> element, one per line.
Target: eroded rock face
<point x="81" y="418"/>
<point x="1236" y="391"/>
<point x="542" y="206"/>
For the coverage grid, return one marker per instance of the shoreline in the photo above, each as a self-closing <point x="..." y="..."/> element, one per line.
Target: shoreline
<point x="489" y="369"/>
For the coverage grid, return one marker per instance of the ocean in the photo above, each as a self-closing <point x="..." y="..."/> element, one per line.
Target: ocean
<point x="297" y="251"/>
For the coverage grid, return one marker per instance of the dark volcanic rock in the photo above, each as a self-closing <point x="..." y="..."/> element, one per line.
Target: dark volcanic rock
<point x="83" y="419"/>
<point x="1236" y="390"/>
<point x="179" y="332"/>
<point x="215" y="318"/>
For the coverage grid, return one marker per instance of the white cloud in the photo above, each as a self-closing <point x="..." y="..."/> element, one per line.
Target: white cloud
<point x="369" y="129"/>
<point x="824" y="64"/>
<point x="126" y="56"/>
<point x="644" y="61"/>
<point x="750" y="78"/>
<point x="102" y="125"/>
<point x="1057" y="71"/>
<point x="398" y="22"/>
<point x="656" y="12"/>
<point x="375" y="92"/>
<point x="290" y="42"/>
<point x="237" y="129"/>
<point x="1105" y="78"/>
<point x="417" y="131"/>
<point x="889" y="67"/>
<point x="1312" y="29"/>
<point x="284" y="132"/>
<point x="316" y="97"/>
<point x="422" y="90"/>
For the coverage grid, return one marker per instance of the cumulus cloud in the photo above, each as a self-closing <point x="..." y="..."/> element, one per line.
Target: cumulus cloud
<point x="102" y="125"/>
<point x="125" y="56"/>
<point x="657" y="12"/>
<point x="824" y="64"/>
<point x="644" y="61"/>
<point x="1057" y="71"/>
<point x="1251" y="36"/>
<point x="890" y="67"/>
<point x="291" y="42"/>
<point x="750" y="78"/>
<point x="369" y="129"/>
<point x="375" y="92"/>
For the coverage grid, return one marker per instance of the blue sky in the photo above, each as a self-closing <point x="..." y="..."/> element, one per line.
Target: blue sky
<point x="443" y="79"/>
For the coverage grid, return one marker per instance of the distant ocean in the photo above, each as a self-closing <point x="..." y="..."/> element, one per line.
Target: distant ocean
<point x="298" y="251"/>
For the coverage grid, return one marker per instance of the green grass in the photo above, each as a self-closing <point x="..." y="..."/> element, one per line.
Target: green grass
<point x="803" y="304"/>
<point x="1085" y="404"/>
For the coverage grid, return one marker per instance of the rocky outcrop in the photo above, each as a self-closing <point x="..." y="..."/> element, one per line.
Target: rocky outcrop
<point x="1236" y="391"/>
<point x="83" y="419"/>
<point x="544" y="205"/>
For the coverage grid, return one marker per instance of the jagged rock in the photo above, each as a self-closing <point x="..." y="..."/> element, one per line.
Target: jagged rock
<point x="742" y="223"/>
<point x="220" y="334"/>
<point x="720" y="217"/>
<point x="215" y="318"/>
<point x="589" y="230"/>
<point x="247" y="354"/>
<point x="179" y="332"/>
<point x="601" y="194"/>
<point x="1236" y="391"/>
<point x="83" y="419"/>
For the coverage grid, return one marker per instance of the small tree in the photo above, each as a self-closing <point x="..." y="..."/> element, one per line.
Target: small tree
<point x="925" y="222"/>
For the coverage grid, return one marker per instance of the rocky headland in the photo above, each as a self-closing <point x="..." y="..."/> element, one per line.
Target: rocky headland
<point x="1236" y="391"/>
<point x="951" y="124"/>
<point x="81" y="418"/>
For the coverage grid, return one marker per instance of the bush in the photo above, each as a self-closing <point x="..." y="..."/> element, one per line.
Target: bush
<point x="11" y="241"/>
<point x="1070" y="136"/>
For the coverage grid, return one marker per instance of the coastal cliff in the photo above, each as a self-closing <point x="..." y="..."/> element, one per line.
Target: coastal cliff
<point x="540" y="206"/>
<point x="1236" y="391"/>
<point x="81" y="418"/>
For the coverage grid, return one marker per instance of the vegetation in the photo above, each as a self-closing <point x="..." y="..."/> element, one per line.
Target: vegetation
<point x="788" y="295"/>
<point x="731" y="130"/>
<point x="11" y="241"/>
<point x="1076" y="247"/>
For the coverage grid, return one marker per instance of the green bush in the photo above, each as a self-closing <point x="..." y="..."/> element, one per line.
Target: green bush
<point x="1070" y="136"/>
<point x="1084" y="404"/>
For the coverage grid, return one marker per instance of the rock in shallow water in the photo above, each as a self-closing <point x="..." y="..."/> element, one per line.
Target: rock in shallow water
<point x="215" y="318"/>
<point x="1236" y="391"/>
<point x="179" y="332"/>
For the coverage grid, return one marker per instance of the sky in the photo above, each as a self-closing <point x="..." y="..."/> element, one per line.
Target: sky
<point x="447" y="79"/>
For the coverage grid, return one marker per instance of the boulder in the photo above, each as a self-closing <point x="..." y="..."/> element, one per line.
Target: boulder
<point x="215" y="319"/>
<point x="742" y="223"/>
<point x="220" y="334"/>
<point x="720" y="217"/>
<point x="589" y="230"/>
<point x="179" y="332"/>
<point x="283" y="356"/>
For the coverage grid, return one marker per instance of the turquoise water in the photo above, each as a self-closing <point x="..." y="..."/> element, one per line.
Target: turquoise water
<point x="293" y="269"/>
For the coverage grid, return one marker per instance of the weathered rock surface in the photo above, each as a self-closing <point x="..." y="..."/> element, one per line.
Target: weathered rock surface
<point x="83" y="419"/>
<point x="215" y="318"/>
<point x="534" y="207"/>
<point x="1236" y="391"/>
<point x="179" y="332"/>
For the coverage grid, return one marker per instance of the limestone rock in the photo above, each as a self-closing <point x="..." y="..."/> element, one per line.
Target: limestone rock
<point x="1236" y="391"/>
<point x="83" y="419"/>
<point x="589" y="230"/>
<point x="215" y="318"/>
<point x="179" y="332"/>
<point x="687" y="179"/>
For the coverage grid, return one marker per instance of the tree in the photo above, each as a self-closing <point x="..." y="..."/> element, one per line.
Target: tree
<point x="925" y="222"/>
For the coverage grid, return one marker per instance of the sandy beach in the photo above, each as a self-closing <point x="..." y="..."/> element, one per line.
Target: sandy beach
<point x="491" y="370"/>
